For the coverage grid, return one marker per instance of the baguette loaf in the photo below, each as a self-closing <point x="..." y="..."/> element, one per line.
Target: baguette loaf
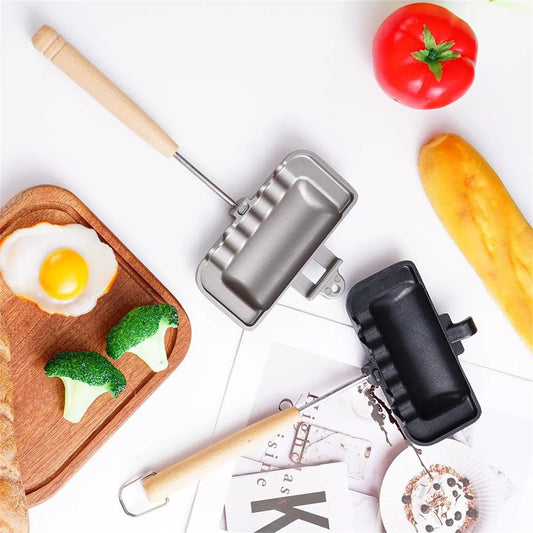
<point x="485" y="223"/>
<point x="13" y="508"/>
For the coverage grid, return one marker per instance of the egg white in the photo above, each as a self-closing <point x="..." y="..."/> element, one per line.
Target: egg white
<point x="23" y="252"/>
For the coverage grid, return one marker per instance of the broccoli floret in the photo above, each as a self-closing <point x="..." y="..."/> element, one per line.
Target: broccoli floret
<point x="85" y="375"/>
<point x="142" y="332"/>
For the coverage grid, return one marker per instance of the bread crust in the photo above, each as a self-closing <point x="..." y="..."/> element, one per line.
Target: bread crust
<point x="485" y="223"/>
<point x="13" y="506"/>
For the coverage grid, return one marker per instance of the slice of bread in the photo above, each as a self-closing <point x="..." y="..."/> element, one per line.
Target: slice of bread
<point x="13" y="507"/>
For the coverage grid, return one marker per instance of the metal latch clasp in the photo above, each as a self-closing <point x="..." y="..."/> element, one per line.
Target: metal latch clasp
<point x="330" y="284"/>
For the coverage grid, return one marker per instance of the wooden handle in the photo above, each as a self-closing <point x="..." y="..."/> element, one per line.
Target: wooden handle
<point x="191" y="470"/>
<point x="88" y="77"/>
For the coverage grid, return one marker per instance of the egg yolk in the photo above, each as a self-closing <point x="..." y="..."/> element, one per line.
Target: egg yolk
<point x="64" y="274"/>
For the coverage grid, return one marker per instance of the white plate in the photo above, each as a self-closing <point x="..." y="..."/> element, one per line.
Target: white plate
<point x="448" y="453"/>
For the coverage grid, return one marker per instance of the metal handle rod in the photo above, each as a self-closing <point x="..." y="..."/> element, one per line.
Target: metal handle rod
<point x="205" y="179"/>
<point x="334" y="392"/>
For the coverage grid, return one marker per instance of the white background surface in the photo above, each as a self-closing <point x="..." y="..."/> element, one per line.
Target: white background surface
<point x="240" y="85"/>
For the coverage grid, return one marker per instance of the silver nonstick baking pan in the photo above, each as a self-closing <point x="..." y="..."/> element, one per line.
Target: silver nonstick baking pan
<point x="274" y="235"/>
<point x="283" y="228"/>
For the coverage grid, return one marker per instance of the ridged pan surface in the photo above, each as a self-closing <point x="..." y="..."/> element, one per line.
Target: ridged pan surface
<point x="262" y="251"/>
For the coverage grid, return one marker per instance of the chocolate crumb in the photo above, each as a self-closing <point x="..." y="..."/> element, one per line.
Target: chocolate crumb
<point x="406" y="499"/>
<point x="440" y="505"/>
<point x="379" y="406"/>
<point x="376" y="411"/>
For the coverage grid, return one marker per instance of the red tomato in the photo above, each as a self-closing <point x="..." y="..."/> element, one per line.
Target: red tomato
<point x="424" y="56"/>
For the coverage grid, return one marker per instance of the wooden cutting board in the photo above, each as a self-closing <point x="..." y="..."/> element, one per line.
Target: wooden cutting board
<point x="50" y="449"/>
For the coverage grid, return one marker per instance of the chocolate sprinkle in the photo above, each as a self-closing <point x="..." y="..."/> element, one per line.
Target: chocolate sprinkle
<point x="376" y="411"/>
<point x="378" y="408"/>
<point x="441" y="507"/>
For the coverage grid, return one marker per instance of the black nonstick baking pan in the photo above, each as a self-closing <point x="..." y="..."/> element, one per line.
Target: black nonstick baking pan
<point x="413" y="353"/>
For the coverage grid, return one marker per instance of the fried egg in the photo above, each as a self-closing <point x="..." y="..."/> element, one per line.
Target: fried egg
<point x="61" y="269"/>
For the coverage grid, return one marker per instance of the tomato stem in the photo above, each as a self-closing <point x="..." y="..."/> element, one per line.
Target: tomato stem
<point x="434" y="54"/>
